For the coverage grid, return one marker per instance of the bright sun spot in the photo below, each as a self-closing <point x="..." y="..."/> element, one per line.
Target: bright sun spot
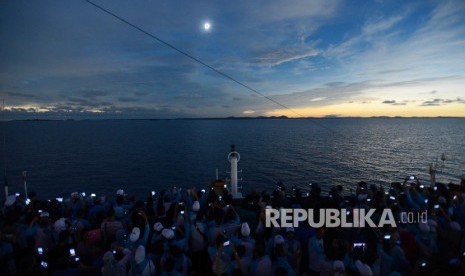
<point x="206" y="26"/>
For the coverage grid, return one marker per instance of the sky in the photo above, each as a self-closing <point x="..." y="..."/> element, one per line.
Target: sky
<point x="69" y="59"/>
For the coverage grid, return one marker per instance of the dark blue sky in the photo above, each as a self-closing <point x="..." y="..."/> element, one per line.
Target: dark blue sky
<point x="68" y="59"/>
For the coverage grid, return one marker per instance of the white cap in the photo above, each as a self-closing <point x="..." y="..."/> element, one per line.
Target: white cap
<point x="44" y="215"/>
<point x="135" y="233"/>
<point x="455" y="226"/>
<point x="196" y="206"/>
<point x="168" y="234"/>
<point x="60" y="225"/>
<point x="245" y="229"/>
<point x="108" y="257"/>
<point x="10" y="200"/>
<point x="120" y="192"/>
<point x="278" y="239"/>
<point x="139" y="256"/>
<point x="363" y="269"/>
<point x="158" y="226"/>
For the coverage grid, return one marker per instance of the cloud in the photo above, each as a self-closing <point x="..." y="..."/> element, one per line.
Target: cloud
<point x="393" y="102"/>
<point x="438" y="102"/>
<point x="279" y="56"/>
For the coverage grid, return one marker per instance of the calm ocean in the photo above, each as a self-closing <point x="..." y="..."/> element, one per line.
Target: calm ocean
<point x="140" y="156"/>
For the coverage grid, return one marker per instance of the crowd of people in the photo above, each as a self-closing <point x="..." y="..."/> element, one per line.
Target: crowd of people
<point x="207" y="232"/>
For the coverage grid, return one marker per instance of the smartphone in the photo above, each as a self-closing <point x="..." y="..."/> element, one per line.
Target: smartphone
<point x="221" y="197"/>
<point x="17" y="194"/>
<point x="426" y="200"/>
<point x="203" y="190"/>
<point x="392" y="197"/>
<point x="226" y="243"/>
<point x="76" y="259"/>
<point x="423" y="264"/>
<point x="114" y="252"/>
<point x="359" y="244"/>
<point x="44" y="264"/>
<point x="435" y="188"/>
<point x="182" y="212"/>
<point x="387" y="237"/>
<point x="59" y="199"/>
<point x="225" y="186"/>
<point x="92" y="195"/>
<point x="412" y="177"/>
<point x="348" y="212"/>
<point x="83" y="194"/>
<point x="153" y="193"/>
<point x="72" y="252"/>
<point x="422" y="186"/>
<point x="174" y="227"/>
<point x="436" y="206"/>
<point x="28" y="201"/>
<point x="40" y="251"/>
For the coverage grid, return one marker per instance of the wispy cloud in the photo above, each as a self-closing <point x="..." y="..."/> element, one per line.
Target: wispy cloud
<point x="438" y="102"/>
<point x="394" y="102"/>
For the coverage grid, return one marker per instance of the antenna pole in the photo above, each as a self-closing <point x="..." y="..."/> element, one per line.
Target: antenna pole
<point x="4" y="148"/>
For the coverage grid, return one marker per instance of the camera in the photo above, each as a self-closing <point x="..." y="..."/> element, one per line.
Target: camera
<point x="40" y="251"/>
<point x="226" y="243"/>
<point x="72" y="252"/>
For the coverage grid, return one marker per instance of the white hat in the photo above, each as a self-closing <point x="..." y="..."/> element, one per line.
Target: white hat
<point x="158" y="226"/>
<point x="108" y="257"/>
<point x="10" y="200"/>
<point x="455" y="226"/>
<point x="139" y="256"/>
<point x="60" y="225"/>
<point x="44" y="215"/>
<point x="135" y="233"/>
<point x="338" y="265"/>
<point x="245" y="229"/>
<point x="424" y="227"/>
<point x="278" y="239"/>
<point x="168" y="234"/>
<point x="120" y="192"/>
<point x="196" y="206"/>
<point x="363" y="269"/>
